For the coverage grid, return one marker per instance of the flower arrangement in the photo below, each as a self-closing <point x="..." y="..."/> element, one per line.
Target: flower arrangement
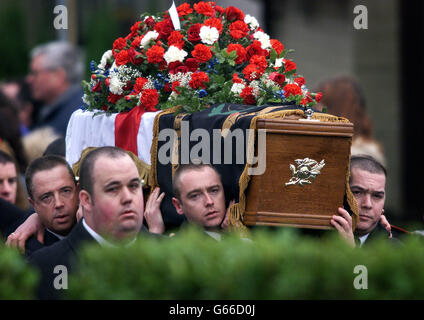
<point x="218" y="55"/>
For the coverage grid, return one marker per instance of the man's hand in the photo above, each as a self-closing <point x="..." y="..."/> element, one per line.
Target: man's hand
<point x="224" y="224"/>
<point x="152" y="212"/>
<point x="343" y="224"/>
<point x="31" y="226"/>
<point x="386" y="225"/>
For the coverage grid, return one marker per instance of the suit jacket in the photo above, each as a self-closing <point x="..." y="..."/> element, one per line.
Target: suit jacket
<point x="379" y="232"/>
<point x="11" y="217"/>
<point x="57" y="115"/>
<point x="32" y="244"/>
<point x="65" y="253"/>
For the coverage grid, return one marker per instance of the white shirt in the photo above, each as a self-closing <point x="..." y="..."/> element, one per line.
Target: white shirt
<point x="363" y="239"/>
<point x="102" y="241"/>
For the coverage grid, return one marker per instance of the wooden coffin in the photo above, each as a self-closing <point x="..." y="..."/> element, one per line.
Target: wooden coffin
<point x="277" y="197"/>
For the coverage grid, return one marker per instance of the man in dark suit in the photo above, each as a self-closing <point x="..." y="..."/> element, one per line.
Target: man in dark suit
<point x="368" y="185"/>
<point x="56" y="71"/>
<point x="53" y="194"/>
<point x="112" y="201"/>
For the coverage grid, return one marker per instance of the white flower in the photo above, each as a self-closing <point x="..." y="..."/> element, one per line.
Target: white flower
<point x="151" y="35"/>
<point x="85" y="99"/>
<point x="251" y="21"/>
<point x="278" y="62"/>
<point x="174" y="54"/>
<point x="237" y="88"/>
<point x="103" y="62"/>
<point x="115" y="85"/>
<point x="263" y="39"/>
<point x="209" y="34"/>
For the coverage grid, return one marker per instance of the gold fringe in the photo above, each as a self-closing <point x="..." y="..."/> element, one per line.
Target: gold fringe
<point x="153" y="177"/>
<point x="142" y="167"/>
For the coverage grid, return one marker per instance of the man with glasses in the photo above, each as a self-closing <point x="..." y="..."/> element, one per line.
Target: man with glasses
<point x="56" y="71"/>
<point x="53" y="193"/>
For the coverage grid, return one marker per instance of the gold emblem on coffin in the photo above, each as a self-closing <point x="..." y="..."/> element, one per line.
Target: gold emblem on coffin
<point x="307" y="170"/>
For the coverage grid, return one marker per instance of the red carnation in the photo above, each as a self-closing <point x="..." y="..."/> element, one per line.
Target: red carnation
<point x="256" y="49"/>
<point x="260" y="61"/>
<point x="122" y="58"/>
<point x="132" y="53"/>
<point x="176" y="39"/>
<point x="247" y="95"/>
<point x="241" y="52"/>
<point x="175" y="84"/>
<point x="234" y="13"/>
<point x="164" y="28"/>
<point x="150" y="22"/>
<point x="204" y="8"/>
<point x="113" y="98"/>
<point x="155" y="54"/>
<point x="184" y="10"/>
<point x="277" y="46"/>
<point x="97" y="87"/>
<point x="192" y="64"/>
<point x="174" y="65"/>
<point x="289" y="65"/>
<point x="139" y="84"/>
<point x="198" y="79"/>
<point x="277" y="77"/>
<point x="118" y="45"/>
<point x="300" y="81"/>
<point x="150" y="99"/>
<point x="318" y="97"/>
<point x="214" y="22"/>
<point x="135" y="27"/>
<point x="251" y="72"/>
<point x="293" y="89"/>
<point x="236" y="78"/>
<point x="239" y="29"/>
<point x="220" y="9"/>
<point x="193" y="33"/>
<point x="201" y="53"/>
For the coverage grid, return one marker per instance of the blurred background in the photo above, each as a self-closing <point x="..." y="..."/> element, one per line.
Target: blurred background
<point x="373" y="69"/>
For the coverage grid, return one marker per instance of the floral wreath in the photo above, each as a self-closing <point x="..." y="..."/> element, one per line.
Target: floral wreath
<point x="217" y="55"/>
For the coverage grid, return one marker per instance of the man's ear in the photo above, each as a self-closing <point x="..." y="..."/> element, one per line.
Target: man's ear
<point x="85" y="200"/>
<point x="31" y="202"/>
<point x="178" y="206"/>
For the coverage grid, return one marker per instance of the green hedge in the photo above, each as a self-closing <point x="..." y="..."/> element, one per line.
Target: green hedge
<point x="17" y="279"/>
<point x="278" y="265"/>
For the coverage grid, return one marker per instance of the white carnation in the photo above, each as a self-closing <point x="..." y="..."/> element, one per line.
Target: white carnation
<point x="237" y="88"/>
<point x="278" y="62"/>
<point x="209" y="35"/>
<point x="174" y="54"/>
<point x="151" y="35"/>
<point x="251" y="21"/>
<point x="115" y="85"/>
<point x="263" y="39"/>
<point x="103" y="62"/>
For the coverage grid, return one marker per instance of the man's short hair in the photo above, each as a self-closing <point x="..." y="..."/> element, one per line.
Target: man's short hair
<point x="188" y="167"/>
<point x="44" y="163"/>
<point x="62" y="54"/>
<point x="367" y="163"/>
<point x="87" y="165"/>
<point x="6" y="158"/>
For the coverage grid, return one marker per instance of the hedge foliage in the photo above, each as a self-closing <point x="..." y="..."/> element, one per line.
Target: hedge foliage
<point x="17" y="279"/>
<point x="278" y="265"/>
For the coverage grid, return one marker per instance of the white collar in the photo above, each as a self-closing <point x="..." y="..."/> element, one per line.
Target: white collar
<point x="60" y="237"/>
<point x="102" y="241"/>
<point x="216" y="235"/>
<point x="363" y="239"/>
